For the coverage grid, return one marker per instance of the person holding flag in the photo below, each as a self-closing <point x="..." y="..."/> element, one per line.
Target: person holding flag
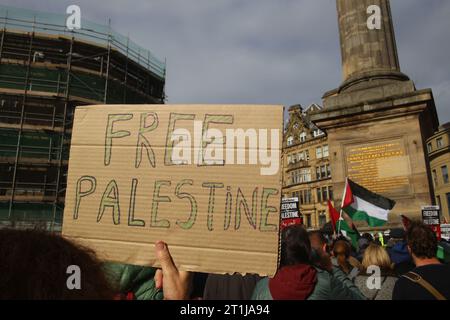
<point x="341" y="226"/>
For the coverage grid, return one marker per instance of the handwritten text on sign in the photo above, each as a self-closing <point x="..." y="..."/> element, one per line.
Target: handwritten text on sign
<point x="204" y="179"/>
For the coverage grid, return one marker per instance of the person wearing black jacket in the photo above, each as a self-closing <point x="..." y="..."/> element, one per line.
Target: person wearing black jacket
<point x="429" y="280"/>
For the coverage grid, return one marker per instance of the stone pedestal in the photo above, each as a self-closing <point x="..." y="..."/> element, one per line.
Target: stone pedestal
<point x="377" y="121"/>
<point x="380" y="144"/>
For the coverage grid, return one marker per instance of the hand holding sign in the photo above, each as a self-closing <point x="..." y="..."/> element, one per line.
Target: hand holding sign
<point x="176" y="284"/>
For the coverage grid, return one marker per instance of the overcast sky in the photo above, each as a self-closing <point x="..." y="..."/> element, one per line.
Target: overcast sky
<point x="265" y="51"/>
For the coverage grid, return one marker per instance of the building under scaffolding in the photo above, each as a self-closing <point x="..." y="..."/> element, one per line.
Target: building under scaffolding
<point x="46" y="71"/>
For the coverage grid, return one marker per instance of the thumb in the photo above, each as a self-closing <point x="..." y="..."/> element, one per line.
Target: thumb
<point x="165" y="259"/>
<point x="158" y="279"/>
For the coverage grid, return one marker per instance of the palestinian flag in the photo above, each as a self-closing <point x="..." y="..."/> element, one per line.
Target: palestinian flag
<point x="364" y="205"/>
<point x="348" y="231"/>
<point x="334" y="215"/>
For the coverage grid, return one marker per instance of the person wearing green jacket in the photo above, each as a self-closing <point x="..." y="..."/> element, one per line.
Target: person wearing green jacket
<point x="133" y="282"/>
<point x="341" y="287"/>
<point x="146" y="283"/>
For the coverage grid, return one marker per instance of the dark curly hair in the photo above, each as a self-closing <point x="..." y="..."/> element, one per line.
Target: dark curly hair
<point x="33" y="265"/>
<point x="421" y="240"/>
<point x="295" y="246"/>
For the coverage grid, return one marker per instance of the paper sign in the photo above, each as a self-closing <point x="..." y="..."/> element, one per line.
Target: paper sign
<point x="445" y="231"/>
<point x="290" y="212"/>
<point x="206" y="179"/>
<point x="431" y="217"/>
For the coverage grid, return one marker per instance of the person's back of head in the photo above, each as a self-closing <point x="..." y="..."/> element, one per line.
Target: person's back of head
<point x="367" y="236"/>
<point x="342" y="248"/>
<point x="341" y="251"/>
<point x="318" y="240"/>
<point x="397" y="234"/>
<point x="295" y="246"/>
<point x="34" y="265"/>
<point x="376" y="255"/>
<point x="421" y="240"/>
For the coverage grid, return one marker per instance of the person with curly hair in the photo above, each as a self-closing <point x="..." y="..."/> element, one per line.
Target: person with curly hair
<point x="429" y="280"/>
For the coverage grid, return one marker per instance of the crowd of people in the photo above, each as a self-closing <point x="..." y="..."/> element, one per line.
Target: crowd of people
<point x="405" y="269"/>
<point x="313" y="266"/>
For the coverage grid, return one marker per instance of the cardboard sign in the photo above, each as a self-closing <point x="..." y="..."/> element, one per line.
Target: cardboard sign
<point x="206" y="179"/>
<point x="290" y="212"/>
<point x="445" y="231"/>
<point x="431" y="217"/>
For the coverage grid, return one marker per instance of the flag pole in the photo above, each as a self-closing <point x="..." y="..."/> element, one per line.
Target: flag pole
<point x="342" y="203"/>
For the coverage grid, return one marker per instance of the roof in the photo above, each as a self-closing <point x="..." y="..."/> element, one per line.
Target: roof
<point x="55" y="24"/>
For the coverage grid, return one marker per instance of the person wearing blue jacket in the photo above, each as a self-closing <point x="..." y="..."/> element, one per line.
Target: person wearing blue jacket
<point x="397" y="249"/>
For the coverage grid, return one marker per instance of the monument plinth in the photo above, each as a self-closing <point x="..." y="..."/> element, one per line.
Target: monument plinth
<point x="377" y="121"/>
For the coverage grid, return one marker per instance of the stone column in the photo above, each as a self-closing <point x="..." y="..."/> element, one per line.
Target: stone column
<point x="367" y="54"/>
<point x="377" y="122"/>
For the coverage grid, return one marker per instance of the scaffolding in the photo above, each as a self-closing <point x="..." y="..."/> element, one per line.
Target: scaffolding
<point x="45" y="72"/>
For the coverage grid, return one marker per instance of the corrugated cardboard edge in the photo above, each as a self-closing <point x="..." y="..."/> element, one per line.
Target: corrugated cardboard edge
<point x="151" y="261"/>
<point x="281" y="196"/>
<point x="82" y="111"/>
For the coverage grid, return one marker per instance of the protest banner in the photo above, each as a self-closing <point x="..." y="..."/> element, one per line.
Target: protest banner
<point x="290" y="212"/>
<point x="206" y="179"/>
<point x="431" y="217"/>
<point x="445" y="231"/>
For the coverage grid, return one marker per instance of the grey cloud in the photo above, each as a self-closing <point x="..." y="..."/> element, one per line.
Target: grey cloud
<point x="265" y="51"/>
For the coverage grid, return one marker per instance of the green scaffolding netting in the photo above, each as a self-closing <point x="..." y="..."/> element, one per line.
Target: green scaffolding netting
<point x="31" y="212"/>
<point x="33" y="144"/>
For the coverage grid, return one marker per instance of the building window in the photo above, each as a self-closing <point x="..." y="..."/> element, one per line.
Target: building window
<point x="290" y="141"/>
<point x="439" y="143"/>
<point x="303" y="137"/>
<point x="330" y="193"/>
<point x="325" y="151"/>
<point x="306" y="175"/>
<point x="302" y="156"/>
<point x="293" y="177"/>
<point x="435" y="181"/>
<point x="319" y="152"/>
<point x="323" y="171"/>
<point x="297" y="194"/>
<point x="294" y="158"/>
<point x="296" y="177"/>
<point x="324" y="194"/>
<point x="448" y="203"/>
<point x="438" y="200"/>
<point x="429" y="147"/>
<point x="301" y="176"/>
<point x="444" y="170"/>
<point x="308" y="220"/>
<point x="289" y="159"/>
<point x="308" y="196"/>
<point x="317" y="133"/>
<point x="322" y="218"/>
<point x="319" y="195"/>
